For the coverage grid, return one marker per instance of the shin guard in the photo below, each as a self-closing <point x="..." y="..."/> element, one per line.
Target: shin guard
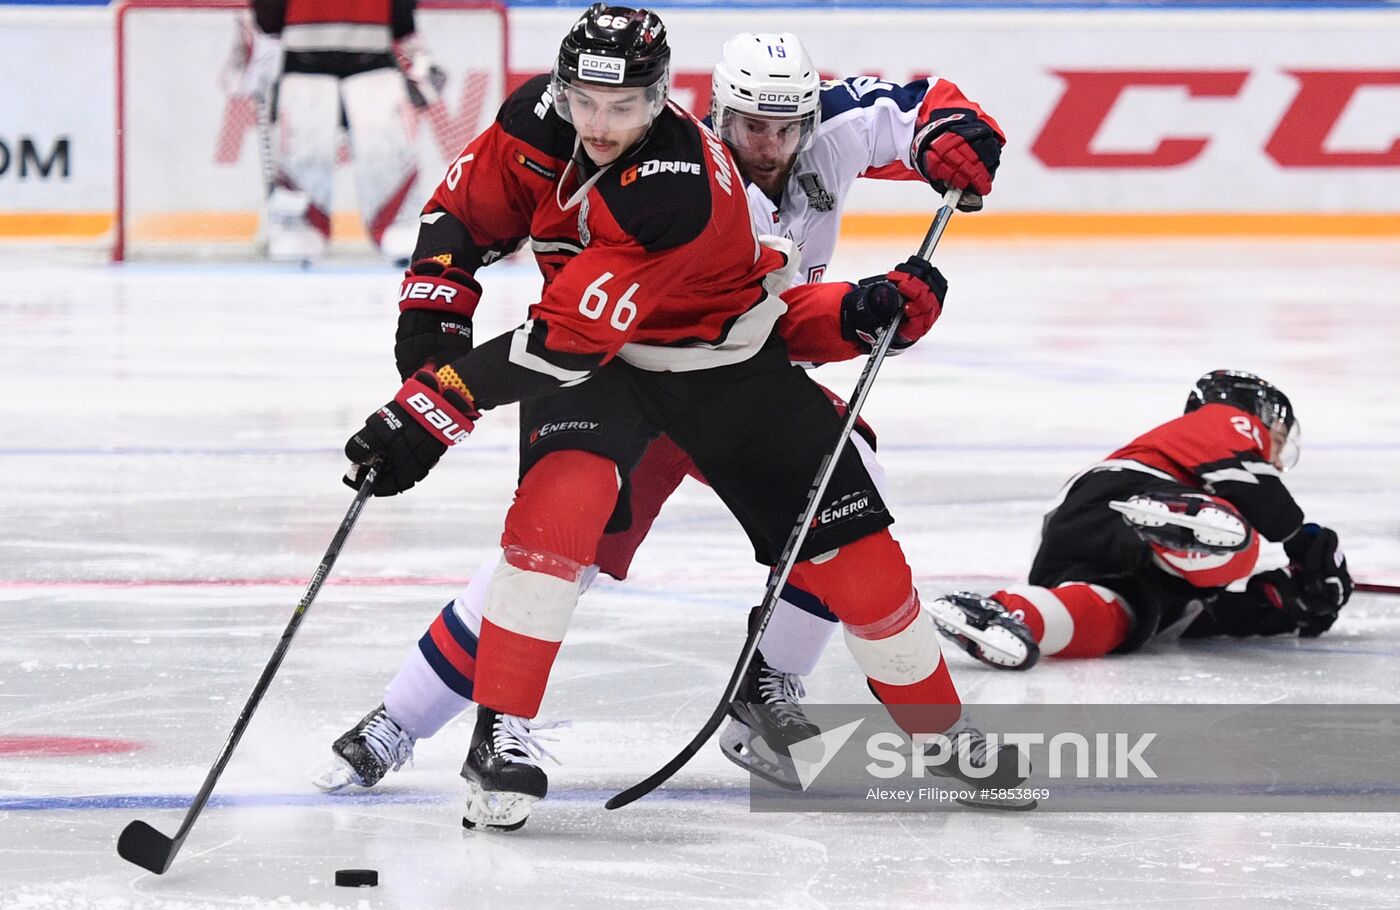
<point x="868" y="585"/>
<point x="550" y="540"/>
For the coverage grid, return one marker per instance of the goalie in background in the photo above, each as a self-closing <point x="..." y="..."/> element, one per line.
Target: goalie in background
<point x="1144" y="545"/>
<point x="315" y="66"/>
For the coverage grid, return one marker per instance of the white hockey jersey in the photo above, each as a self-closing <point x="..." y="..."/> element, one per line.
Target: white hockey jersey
<point x="867" y="128"/>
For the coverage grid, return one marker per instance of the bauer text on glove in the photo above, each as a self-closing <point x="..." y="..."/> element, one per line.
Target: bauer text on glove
<point x="408" y="435"/>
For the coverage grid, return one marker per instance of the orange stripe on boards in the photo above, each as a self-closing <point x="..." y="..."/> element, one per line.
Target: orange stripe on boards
<point x="55" y="224"/>
<point x="242" y="226"/>
<point x="226" y="227"/>
<point x="1041" y="225"/>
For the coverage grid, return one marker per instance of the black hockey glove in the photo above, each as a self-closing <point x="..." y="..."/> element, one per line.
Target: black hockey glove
<point x="1320" y="567"/>
<point x="408" y="435"/>
<point x="914" y="288"/>
<point x="957" y="148"/>
<point x="436" y="303"/>
<point x="1310" y="614"/>
<point x="1263" y="608"/>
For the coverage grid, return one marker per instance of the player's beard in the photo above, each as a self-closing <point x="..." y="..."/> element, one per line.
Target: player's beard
<point x="769" y="172"/>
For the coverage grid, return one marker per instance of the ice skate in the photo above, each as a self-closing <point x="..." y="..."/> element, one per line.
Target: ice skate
<point x="967" y="754"/>
<point x="983" y="628"/>
<point x="502" y="770"/>
<point x="1190" y="522"/>
<point x="366" y="752"/>
<point x="764" y="720"/>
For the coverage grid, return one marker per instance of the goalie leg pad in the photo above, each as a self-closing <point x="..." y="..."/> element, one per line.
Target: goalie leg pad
<point x="308" y="109"/>
<point x="385" y="165"/>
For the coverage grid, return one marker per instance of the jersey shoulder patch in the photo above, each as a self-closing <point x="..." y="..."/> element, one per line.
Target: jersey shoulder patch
<point x="659" y="193"/>
<point x="529" y="115"/>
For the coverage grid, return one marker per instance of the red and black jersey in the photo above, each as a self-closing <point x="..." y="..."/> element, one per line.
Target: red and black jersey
<point x="651" y="259"/>
<point x="1226" y="452"/>
<point x="347" y="26"/>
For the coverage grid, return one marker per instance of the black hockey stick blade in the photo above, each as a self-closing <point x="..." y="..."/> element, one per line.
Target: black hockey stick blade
<point x="146" y="847"/>
<point x="660" y="776"/>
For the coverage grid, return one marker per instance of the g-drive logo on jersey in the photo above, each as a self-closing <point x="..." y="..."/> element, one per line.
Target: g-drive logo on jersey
<point x="563" y="426"/>
<point x="652" y="166"/>
<point x="610" y="70"/>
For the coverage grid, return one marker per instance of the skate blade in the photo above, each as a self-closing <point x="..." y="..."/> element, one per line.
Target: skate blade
<point x="737" y="744"/>
<point x="335" y="779"/>
<point x="496" y="811"/>
<point x="1211" y="536"/>
<point x="1012" y="655"/>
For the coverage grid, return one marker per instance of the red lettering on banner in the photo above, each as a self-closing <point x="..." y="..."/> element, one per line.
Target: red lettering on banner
<point x="1322" y="96"/>
<point x="1069" y="131"/>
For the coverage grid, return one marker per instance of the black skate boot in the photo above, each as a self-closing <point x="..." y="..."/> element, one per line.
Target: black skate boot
<point x="966" y="761"/>
<point x="502" y="770"/>
<point x="366" y="752"/>
<point x="765" y="720"/>
<point x="984" y="629"/>
<point x="1191" y="522"/>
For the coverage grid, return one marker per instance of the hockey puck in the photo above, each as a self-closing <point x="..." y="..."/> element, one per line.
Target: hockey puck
<point x="356" y="878"/>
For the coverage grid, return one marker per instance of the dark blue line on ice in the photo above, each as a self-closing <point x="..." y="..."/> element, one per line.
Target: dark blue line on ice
<point x="378" y="798"/>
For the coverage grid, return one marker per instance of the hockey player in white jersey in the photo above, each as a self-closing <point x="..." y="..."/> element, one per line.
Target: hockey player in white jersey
<point x="800" y="145"/>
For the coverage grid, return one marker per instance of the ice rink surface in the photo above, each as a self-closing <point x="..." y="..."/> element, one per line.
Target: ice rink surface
<point x="171" y="453"/>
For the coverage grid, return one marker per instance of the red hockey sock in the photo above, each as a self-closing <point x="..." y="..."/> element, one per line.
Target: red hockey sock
<point x="868" y="585"/>
<point x="1070" y="620"/>
<point x="551" y="536"/>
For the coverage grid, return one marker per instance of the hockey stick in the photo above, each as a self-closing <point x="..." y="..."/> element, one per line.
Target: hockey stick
<point x="267" y="164"/>
<point x="778" y="579"/>
<point x="148" y="848"/>
<point x="1362" y="587"/>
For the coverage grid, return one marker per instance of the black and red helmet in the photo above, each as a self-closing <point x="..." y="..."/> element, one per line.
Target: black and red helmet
<point x="617" y="46"/>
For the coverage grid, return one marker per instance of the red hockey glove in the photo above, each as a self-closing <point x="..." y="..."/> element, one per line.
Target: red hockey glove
<point x="409" y="434"/>
<point x="913" y="287"/>
<point x="436" y="303"/>
<point x="959" y="149"/>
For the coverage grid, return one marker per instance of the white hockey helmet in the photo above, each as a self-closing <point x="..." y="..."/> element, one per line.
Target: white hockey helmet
<point x="767" y="76"/>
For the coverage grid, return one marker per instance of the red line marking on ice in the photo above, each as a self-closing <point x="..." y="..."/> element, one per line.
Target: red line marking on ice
<point x="365" y="581"/>
<point x="371" y="581"/>
<point x="39" y="745"/>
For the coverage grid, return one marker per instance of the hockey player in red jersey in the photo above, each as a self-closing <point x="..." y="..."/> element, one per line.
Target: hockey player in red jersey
<point x="659" y="294"/>
<point x="1141" y="546"/>
<point x="341" y="62"/>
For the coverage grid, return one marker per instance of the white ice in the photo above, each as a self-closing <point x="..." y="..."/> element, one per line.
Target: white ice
<point x="170" y="443"/>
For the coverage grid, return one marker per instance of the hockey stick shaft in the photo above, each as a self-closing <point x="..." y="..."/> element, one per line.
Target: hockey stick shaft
<point x="145" y="846"/>
<point x="788" y="558"/>
<point x="1367" y="588"/>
